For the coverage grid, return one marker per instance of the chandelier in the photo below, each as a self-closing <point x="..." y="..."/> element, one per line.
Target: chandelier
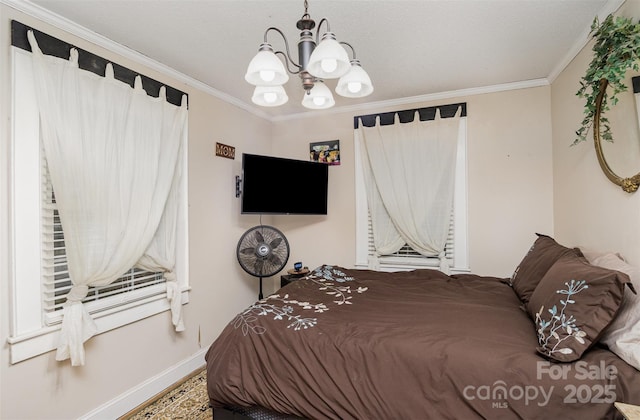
<point x="317" y="61"/>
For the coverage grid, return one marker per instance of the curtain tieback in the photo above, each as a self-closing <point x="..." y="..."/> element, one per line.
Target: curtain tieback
<point x="444" y="263"/>
<point x="77" y="327"/>
<point x="374" y="261"/>
<point x="77" y="293"/>
<point x="175" y="300"/>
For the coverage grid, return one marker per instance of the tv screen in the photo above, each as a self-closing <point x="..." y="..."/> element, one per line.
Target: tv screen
<point x="273" y="185"/>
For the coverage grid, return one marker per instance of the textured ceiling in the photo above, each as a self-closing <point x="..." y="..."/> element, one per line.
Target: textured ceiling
<point x="409" y="48"/>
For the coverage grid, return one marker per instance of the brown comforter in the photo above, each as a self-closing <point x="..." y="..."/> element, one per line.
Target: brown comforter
<point x="360" y="344"/>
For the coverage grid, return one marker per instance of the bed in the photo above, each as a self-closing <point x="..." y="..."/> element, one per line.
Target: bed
<point x="343" y="343"/>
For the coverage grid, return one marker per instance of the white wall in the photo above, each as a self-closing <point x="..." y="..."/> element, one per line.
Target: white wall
<point x="589" y="210"/>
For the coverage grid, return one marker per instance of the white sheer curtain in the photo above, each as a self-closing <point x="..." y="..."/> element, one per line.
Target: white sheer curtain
<point x="114" y="156"/>
<point x="161" y="253"/>
<point x="409" y="170"/>
<point x="386" y="239"/>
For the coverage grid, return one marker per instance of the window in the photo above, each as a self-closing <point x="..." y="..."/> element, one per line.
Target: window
<point x="407" y="258"/>
<point x="39" y="276"/>
<point x="135" y="284"/>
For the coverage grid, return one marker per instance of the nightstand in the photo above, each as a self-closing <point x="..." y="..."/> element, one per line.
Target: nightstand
<point x="288" y="278"/>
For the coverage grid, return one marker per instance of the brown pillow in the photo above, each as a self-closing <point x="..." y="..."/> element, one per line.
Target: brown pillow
<point x="544" y="252"/>
<point x="573" y="303"/>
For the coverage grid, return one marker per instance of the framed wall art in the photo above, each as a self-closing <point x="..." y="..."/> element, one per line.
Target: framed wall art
<point x="325" y="152"/>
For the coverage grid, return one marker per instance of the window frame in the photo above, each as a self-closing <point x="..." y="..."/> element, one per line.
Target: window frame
<point x="460" y="258"/>
<point x="29" y="334"/>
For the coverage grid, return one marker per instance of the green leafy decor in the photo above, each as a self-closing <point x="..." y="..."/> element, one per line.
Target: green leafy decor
<point x="616" y="50"/>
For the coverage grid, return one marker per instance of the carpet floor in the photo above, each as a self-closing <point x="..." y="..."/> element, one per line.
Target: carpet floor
<point x="187" y="400"/>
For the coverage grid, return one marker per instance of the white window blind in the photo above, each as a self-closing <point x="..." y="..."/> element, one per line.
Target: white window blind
<point x="134" y="285"/>
<point x="407" y="255"/>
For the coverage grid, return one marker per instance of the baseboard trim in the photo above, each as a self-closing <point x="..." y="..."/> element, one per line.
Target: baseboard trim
<point x="147" y="389"/>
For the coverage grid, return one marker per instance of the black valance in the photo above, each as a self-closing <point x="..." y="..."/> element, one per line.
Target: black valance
<point x="407" y="115"/>
<point x="88" y="61"/>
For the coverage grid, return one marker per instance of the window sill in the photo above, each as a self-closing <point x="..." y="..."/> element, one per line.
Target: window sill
<point x="41" y="341"/>
<point x="390" y="266"/>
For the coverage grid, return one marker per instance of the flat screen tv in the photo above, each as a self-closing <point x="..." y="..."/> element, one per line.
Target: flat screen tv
<point x="274" y="185"/>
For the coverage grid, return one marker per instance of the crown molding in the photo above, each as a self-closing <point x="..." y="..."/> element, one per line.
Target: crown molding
<point x="411" y="100"/>
<point x="73" y="28"/>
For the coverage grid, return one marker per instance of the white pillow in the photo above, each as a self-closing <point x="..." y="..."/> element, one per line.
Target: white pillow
<point x="622" y="336"/>
<point x="592" y="254"/>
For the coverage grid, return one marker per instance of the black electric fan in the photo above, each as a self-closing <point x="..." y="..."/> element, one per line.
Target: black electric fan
<point x="262" y="252"/>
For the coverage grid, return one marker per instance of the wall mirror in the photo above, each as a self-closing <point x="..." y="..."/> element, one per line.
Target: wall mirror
<point x="620" y="159"/>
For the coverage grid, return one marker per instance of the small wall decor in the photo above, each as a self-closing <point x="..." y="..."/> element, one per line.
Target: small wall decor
<point x="325" y="152"/>
<point x="225" y="151"/>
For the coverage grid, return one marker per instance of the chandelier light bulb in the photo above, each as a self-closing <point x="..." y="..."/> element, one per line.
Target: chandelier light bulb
<point x="266" y="69"/>
<point x="329" y="65"/>
<point x="319" y="100"/>
<point x="329" y="60"/>
<point x="267" y="75"/>
<point x="354" y="87"/>
<point x="319" y="97"/>
<point x="270" y="97"/>
<point x="356" y="83"/>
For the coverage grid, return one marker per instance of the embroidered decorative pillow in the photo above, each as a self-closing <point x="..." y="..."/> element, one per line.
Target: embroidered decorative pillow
<point x="544" y="252"/>
<point x="572" y="305"/>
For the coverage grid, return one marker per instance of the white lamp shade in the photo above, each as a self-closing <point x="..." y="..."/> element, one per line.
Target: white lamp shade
<point x="266" y="69"/>
<point x="329" y="60"/>
<point x="355" y="84"/>
<point x="319" y="97"/>
<point x="269" y="96"/>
